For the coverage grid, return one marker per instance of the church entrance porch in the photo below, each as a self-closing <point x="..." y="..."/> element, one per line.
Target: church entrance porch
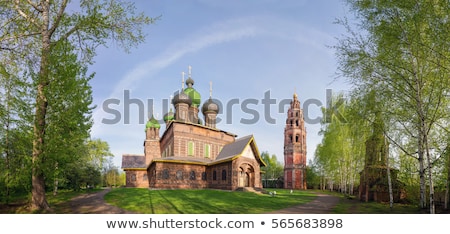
<point x="246" y="176"/>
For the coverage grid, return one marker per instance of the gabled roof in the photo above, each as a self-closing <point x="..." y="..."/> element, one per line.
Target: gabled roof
<point x="236" y="149"/>
<point x="133" y="161"/>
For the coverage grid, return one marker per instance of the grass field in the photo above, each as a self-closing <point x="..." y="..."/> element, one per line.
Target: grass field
<point x="147" y="201"/>
<point x="204" y="201"/>
<point x="351" y="205"/>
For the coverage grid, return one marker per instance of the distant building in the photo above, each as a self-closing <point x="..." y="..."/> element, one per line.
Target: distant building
<point x="190" y="154"/>
<point x="295" y="147"/>
<point x="374" y="183"/>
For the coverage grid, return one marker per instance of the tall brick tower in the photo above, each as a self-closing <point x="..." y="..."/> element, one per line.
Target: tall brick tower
<point x="295" y="147"/>
<point x="152" y="148"/>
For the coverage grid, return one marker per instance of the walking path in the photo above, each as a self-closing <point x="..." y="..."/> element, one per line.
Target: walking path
<point x="94" y="203"/>
<point x="323" y="204"/>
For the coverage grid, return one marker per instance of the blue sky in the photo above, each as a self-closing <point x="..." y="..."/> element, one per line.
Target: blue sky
<point x="247" y="49"/>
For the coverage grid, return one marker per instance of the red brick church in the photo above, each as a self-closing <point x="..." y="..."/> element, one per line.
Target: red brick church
<point x="191" y="153"/>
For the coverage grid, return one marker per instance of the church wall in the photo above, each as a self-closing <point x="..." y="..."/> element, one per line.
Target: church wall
<point x="136" y="179"/>
<point x="167" y="142"/>
<point x="185" y="133"/>
<point x="177" y="176"/>
<point x="220" y="176"/>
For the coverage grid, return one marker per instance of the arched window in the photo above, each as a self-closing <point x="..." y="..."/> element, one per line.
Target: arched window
<point x="224" y="174"/>
<point x="192" y="175"/>
<point x="179" y="175"/>
<point x="296" y="138"/>
<point x="214" y="175"/>
<point x="290" y="138"/>
<point x="296" y="122"/>
<point x="203" y="175"/>
<point x="165" y="174"/>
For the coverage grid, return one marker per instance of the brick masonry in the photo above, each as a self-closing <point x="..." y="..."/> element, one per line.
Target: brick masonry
<point x="189" y="154"/>
<point x="295" y="147"/>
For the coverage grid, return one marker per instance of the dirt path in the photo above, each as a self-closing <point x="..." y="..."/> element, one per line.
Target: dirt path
<point x="93" y="203"/>
<point x="323" y="204"/>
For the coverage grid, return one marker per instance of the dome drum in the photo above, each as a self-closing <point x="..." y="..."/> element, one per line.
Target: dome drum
<point x="210" y="106"/>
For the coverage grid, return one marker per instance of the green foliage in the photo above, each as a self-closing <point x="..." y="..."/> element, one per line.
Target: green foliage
<point x="312" y="176"/>
<point x="98" y="152"/>
<point x="68" y="118"/>
<point x="49" y="49"/>
<point x="339" y="157"/>
<point x="15" y="133"/>
<point x="113" y="178"/>
<point x="78" y="176"/>
<point x="273" y="171"/>
<point x="399" y="51"/>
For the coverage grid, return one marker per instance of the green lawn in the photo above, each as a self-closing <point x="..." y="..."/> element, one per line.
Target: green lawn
<point x="351" y="205"/>
<point x="206" y="201"/>
<point x="356" y="207"/>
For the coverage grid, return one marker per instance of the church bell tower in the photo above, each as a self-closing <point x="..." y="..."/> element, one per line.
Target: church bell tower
<point x="295" y="147"/>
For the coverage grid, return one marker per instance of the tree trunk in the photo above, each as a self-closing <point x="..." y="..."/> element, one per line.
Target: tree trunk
<point x="55" y="184"/>
<point x="447" y="184"/>
<point x="430" y="178"/>
<point x="446" y="192"/>
<point x="420" y="145"/>
<point x="55" y="187"/>
<point x="38" y="201"/>
<point x="6" y="148"/>
<point x="422" y="202"/>
<point x="391" y="196"/>
<point x="8" y="166"/>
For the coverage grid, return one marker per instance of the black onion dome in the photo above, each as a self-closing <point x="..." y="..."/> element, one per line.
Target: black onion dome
<point x="181" y="97"/>
<point x="189" y="82"/>
<point x="210" y="106"/>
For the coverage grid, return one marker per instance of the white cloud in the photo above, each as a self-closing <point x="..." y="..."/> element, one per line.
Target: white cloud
<point x="216" y="34"/>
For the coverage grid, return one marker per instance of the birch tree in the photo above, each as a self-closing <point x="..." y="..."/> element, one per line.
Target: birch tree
<point x="29" y="31"/>
<point x="340" y="155"/>
<point x="401" y="49"/>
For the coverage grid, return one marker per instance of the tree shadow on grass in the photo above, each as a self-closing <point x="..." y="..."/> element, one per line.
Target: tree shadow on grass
<point x="169" y="202"/>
